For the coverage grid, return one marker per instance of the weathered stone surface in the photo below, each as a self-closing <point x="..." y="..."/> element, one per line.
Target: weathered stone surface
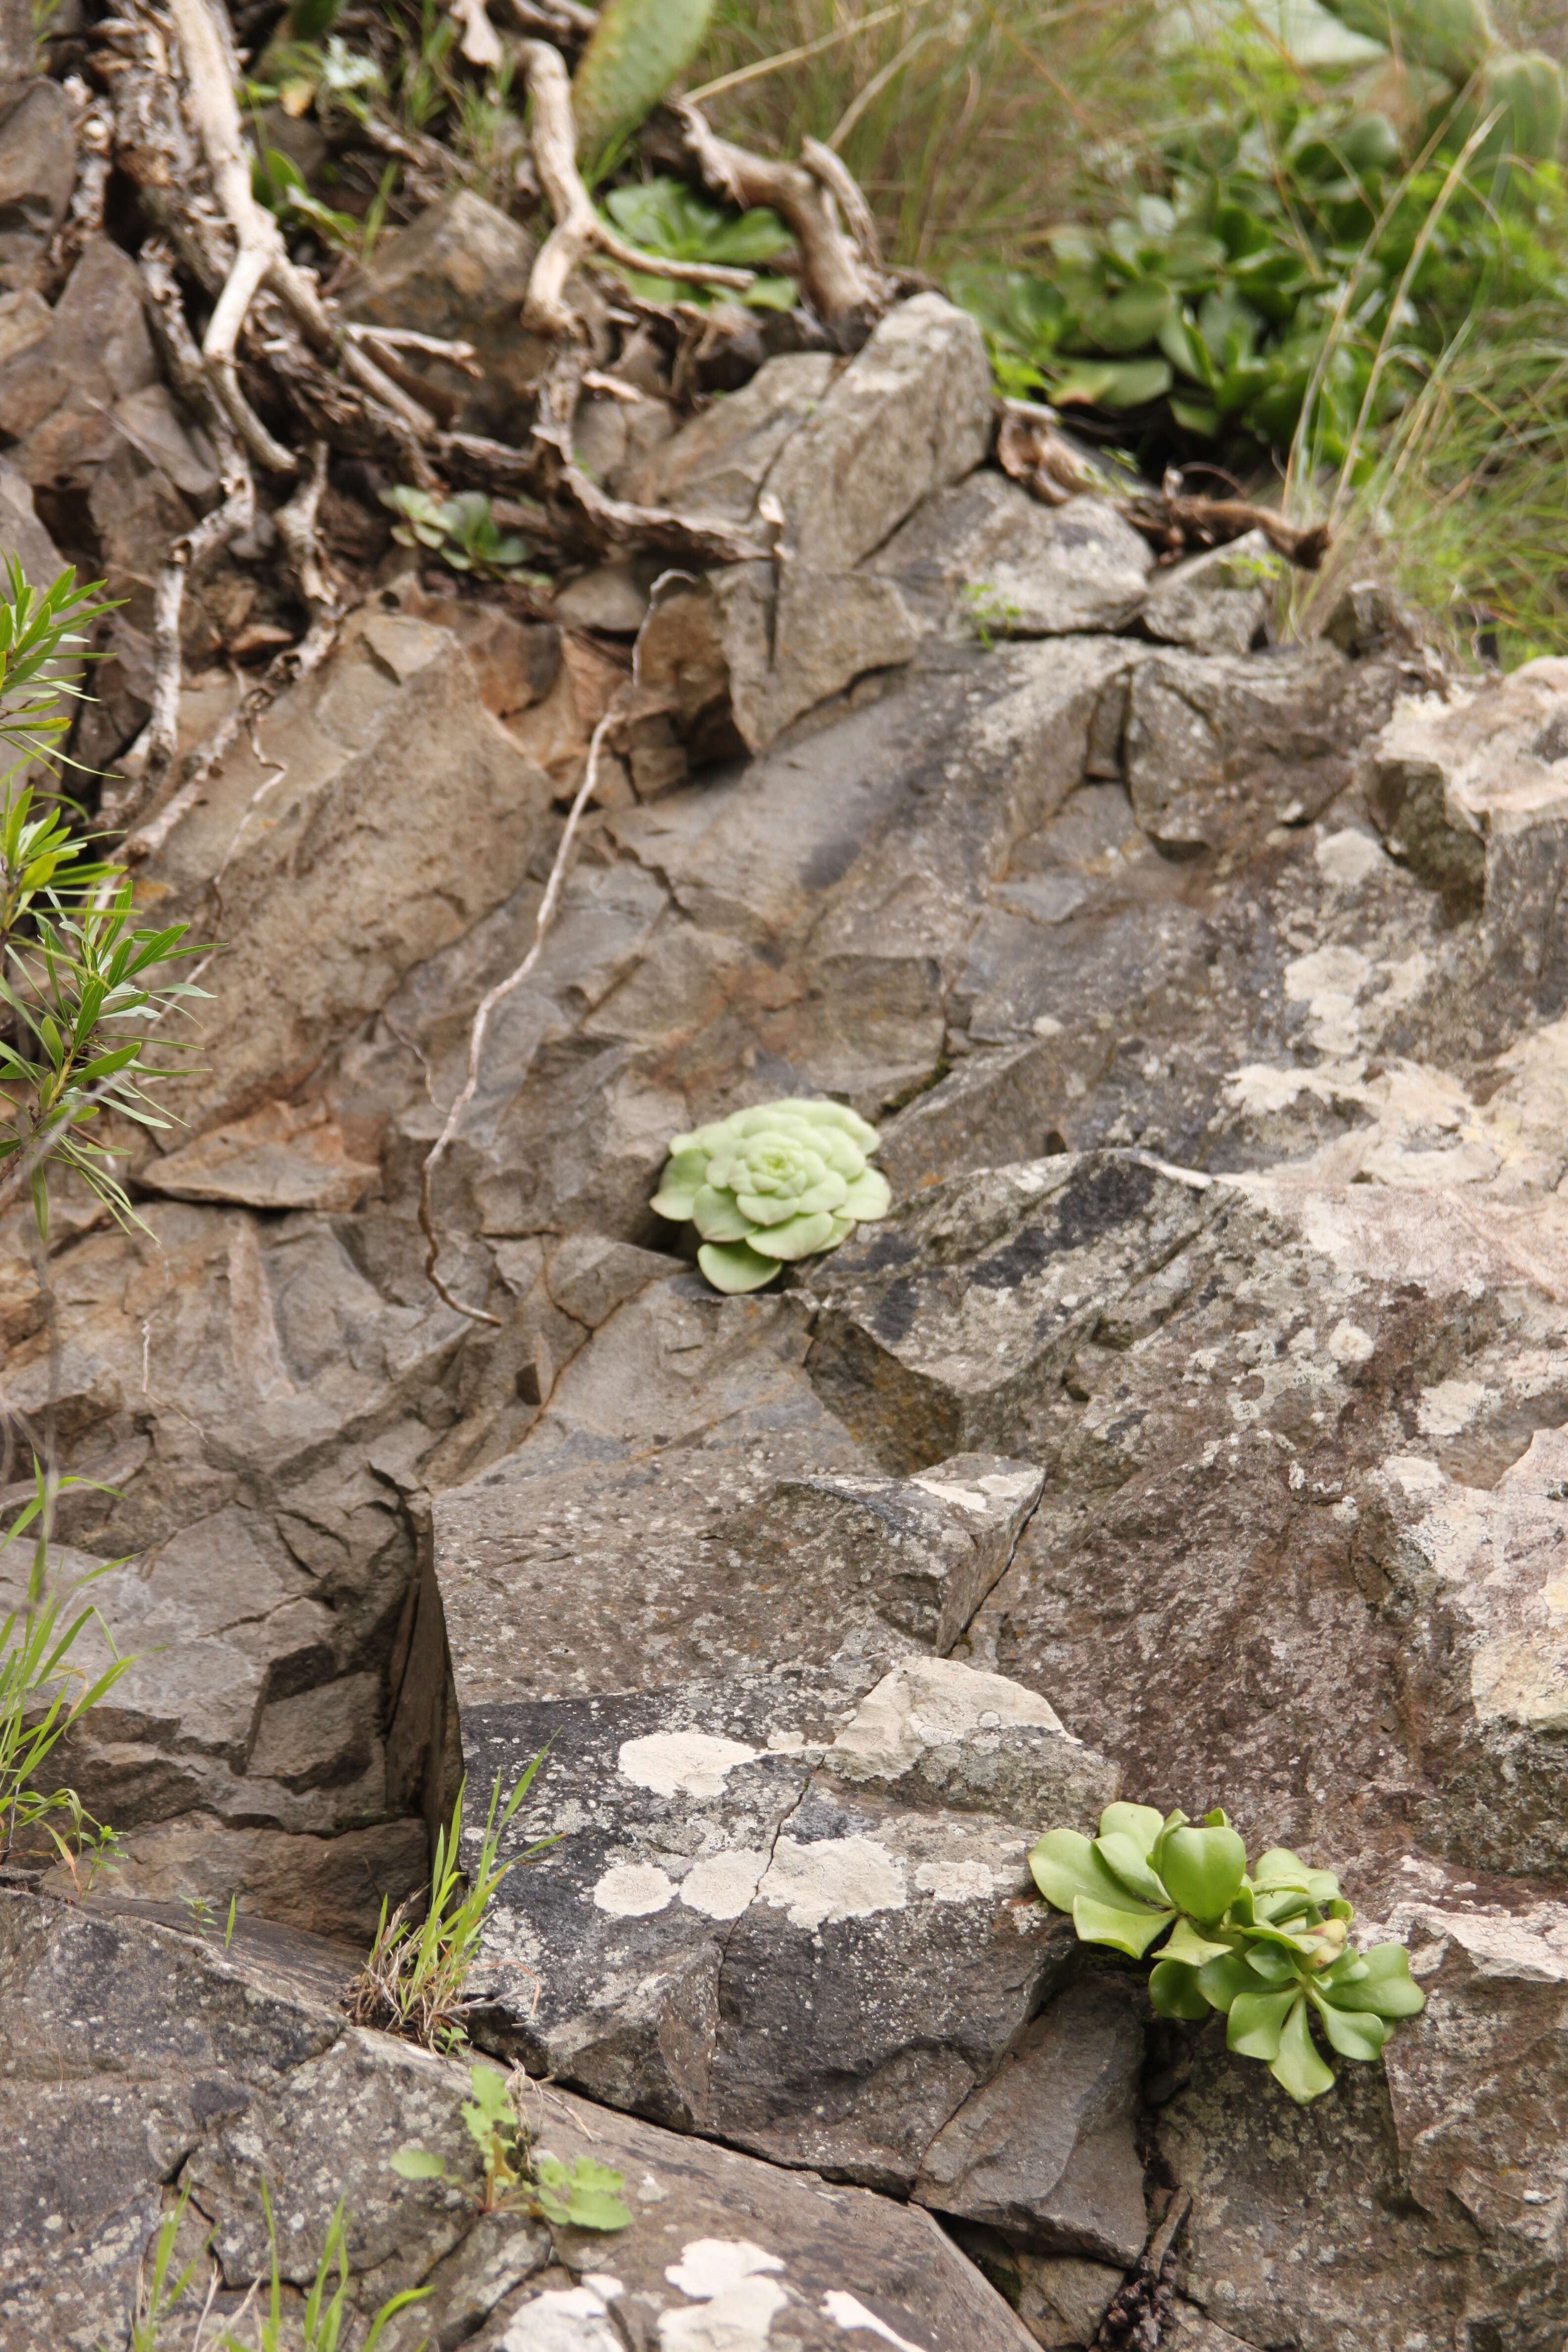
<point x="987" y="558"/>
<point x="729" y="1943"/>
<point x="1216" y="603"/>
<point x="1219" y="751"/>
<point x="1471" y="792"/>
<point x="1044" y="2151"/>
<point x="279" y="1158"/>
<point x="403" y="814"/>
<point x="936" y="1732"/>
<point x="37" y="165"/>
<point x="843" y="457"/>
<point x="61" y="372"/>
<point x="141" y="2061"/>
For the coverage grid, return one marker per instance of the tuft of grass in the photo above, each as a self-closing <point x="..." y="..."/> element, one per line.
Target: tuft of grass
<point x="974" y="131"/>
<point x="414" y="1981"/>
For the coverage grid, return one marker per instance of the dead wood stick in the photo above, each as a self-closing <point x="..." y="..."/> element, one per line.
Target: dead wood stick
<point x="296" y="528"/>
<point x="835" y="281"/>
<point x="147" y="760"/>
<point x="830" y="171"/>
<point x="578" y="231"/>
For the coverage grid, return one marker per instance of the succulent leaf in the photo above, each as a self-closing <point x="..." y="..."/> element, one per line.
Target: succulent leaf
<point x="1141" y="1824"/>
<point x="733" y="1266"/>
<point x="1175" y="1991"/>
<point x="634" y="52"/>
<point x="1203" y="1869"/>
<point x="1125" y="1929"/>
<point x="1297" y="2066"/>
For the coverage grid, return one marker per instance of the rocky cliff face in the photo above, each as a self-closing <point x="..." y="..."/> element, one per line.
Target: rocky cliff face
<point x="1191" y="1430"/>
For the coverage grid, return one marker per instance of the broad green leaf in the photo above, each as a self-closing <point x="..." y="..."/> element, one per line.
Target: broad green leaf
<point x="1220" y="1981"/>
<point x="1197" y="1950"/>
<point x="1174" y="1990"/>
<point x="586" y="2197"/>
<point x="1388" y="1988"/>
<point x="1065" y="1865"/>
<point x="1122" y="1859"/>
<point x="1141" y="1824"/>
<point x="1280" y="1867"/>
<point x="1270" y="1961"/>
<point x="1203" y="1869"/>
<point x="1125" y="1930"/>
<point x="418" y="2164"/>
<point x="1299" y="2067"/>
<point x="715" y="1214"/>
<point x="1354" y="2034"/>
<point x="1258" y="2021"/>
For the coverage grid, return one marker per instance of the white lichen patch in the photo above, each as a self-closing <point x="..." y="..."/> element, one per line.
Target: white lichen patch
<point x="963" y="1881"/>
<point x="634" y="1890"/>
<point x="682" y="1763"/>
<point x="563" y="2319"/>
<point x="847" y="2311"/>
<point x="721" y="1885"/>
<point x="731" y="2300"/>
<point x="833" y="1878"/>
<point x="1348" y="858"/>
<point x="994" y="1490"/>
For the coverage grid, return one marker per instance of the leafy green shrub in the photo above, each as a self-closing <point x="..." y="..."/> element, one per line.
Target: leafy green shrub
<point x="586" y="2197"/>
<point x="43" y="1694"/>
<point x="461" y="530"/>
<point x="665" y="218"/>
<point x="1270" y="1948"/>
<point x="80" y="981"/>
<point x="415" y="1979"/>
<point x="763" y="1187"/>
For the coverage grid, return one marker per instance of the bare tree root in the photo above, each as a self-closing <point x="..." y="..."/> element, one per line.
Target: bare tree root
<point x="848" y="292"/>
<point x="296" y="528"/>
<point x="578" y="232"/>
<point x="497" y="995"/>
<point x="146" y="764"/>
<point x="1032" y="449"/>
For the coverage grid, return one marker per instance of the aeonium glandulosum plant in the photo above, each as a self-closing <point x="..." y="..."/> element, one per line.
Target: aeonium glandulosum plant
<point x="1269" y="1948"/>
<point x="763" y="1187"/>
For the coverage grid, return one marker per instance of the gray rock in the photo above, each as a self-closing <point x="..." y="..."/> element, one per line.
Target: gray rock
<point x="279" y="1158"/>
<point x="935" y="1731"/>
<point x="844" y="458"/>
<point x="1473" y="793"/>
<point x="950" y="1322"/>
<point x="1219" y="751"/>
<point x="986" y="559"/>
<point x="217" y="2072"/>
<point x="1216" y="603"/>
<point x="460" y="271"/>
<point x="62" y="371"/>
<point x="1044" y="2150"/>
<point x="38" y="167"/>
<point x="403" y="815"/>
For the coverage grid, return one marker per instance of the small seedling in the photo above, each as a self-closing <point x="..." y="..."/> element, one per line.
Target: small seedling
<point x="1270" y="1949"/>
<point x="993" y="614"/>
<point x="462" y="532"/>
<point x="763" y="1187"/>
<point x="584" y="2197"/>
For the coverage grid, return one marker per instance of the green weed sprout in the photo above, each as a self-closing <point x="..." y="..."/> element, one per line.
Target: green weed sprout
<point x="666" y="218"/>
<point x="461" y="530"/>
<point x="763" y="1187"/>
<point x="1270" y="1949"/>
<point x="586" y="2197"/>
<point x="415" y="1979"/>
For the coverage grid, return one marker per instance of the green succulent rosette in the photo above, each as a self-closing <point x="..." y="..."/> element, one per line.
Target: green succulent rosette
<point x="763" y="1187"/>
<point x="1269" y="1948"/>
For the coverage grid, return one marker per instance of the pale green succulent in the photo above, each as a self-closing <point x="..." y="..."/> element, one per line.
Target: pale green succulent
<point x="763" y="1187"/>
